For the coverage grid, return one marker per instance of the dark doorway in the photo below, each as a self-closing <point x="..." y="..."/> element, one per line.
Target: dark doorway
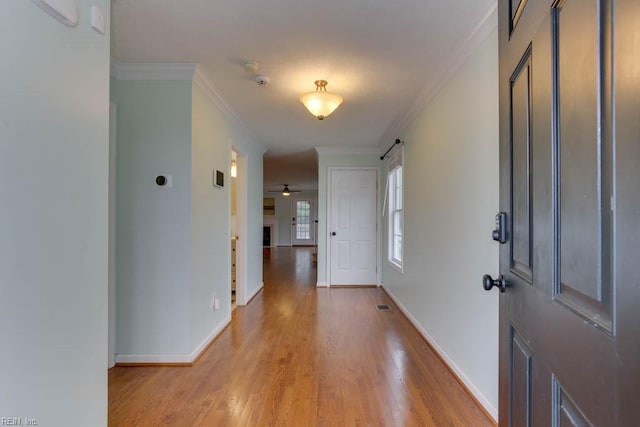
<point x="266" y="236"/>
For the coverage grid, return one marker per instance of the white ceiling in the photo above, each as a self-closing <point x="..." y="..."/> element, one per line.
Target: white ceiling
<point x="380" y="55"/>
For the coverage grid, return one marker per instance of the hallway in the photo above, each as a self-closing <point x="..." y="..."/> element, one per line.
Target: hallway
<point x="301" y="356"/>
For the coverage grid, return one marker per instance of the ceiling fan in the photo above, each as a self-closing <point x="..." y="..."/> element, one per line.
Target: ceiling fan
<point x="285" y="191"/>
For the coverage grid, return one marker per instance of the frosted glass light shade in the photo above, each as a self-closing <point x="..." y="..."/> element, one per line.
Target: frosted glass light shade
<point x="321" y="103"/>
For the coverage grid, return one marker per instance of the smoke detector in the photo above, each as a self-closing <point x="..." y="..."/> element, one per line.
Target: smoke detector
<point x="262" y="80"/>
<point x="250" y="66"/>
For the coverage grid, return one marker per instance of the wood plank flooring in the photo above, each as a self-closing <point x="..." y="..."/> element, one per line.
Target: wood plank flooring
<point x="301" y="356"/>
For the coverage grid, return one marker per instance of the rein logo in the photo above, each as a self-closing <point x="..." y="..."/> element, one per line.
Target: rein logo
<point x="18" y="421"/>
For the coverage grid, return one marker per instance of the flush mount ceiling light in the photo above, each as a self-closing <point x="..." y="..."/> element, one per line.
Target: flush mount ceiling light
<point x="321" y="103"/>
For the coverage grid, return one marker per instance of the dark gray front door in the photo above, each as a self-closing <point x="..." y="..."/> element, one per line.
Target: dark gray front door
<point x="570" y="185"/>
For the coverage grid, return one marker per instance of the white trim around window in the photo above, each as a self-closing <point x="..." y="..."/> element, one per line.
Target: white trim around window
<point x="396" y="218"/>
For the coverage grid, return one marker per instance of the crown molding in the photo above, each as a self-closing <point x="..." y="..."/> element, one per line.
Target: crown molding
<point x="152" y="71"/>
<point x="212" y="93"/>
<point x="348" y="150"/>
<point x="182" y="71"/>
<point x="449" y="67"/>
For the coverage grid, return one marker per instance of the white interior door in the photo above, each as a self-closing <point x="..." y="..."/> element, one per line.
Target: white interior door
<point x="353" y="227"/>
<point x="302" y="224"/>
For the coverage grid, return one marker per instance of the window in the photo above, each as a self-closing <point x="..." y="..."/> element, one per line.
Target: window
<point x="303" y="220"/>
<point x="395" y="216"/>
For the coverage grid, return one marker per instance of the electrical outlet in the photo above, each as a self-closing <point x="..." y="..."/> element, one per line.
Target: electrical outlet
<point x="216" y="304"/>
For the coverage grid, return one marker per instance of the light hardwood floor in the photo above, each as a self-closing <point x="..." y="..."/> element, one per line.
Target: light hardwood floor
<point x="301" y="356"/>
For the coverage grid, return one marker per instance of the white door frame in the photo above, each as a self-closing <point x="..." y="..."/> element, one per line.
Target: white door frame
<point x="330" y="169"/>
<point x="241" y="226"/>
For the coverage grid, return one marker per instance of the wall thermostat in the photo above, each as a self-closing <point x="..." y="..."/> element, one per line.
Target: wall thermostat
<point x="165" y="181"/>
<point x="218" y="179"/>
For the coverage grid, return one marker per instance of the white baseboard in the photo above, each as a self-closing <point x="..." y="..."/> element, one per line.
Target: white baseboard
<point x="322" y="285"/>
<point x="207" y="341"/>
<point x="152" y="358"/>
<point x="254" y="293"/>
<point x="173" y="358"/>
<point x="446" y="358"/>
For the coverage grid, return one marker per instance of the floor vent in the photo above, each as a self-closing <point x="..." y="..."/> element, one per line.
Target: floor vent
<point x="383" y="307"/>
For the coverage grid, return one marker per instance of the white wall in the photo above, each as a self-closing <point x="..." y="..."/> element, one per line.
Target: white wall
<point x="54" y="118"/>
<point x="451" y="197"/>
<point x="213" y="139"/>
<point x="153" y="224"/>
<point x="251" y="162"/>
<point x="210" y="219"/>
<point x="174" y="247"/>
<point x="250" y="204"/>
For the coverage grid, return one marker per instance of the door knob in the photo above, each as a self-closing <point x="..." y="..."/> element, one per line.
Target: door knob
<point x="333" y="233"/>
<point x="488" y="282"/>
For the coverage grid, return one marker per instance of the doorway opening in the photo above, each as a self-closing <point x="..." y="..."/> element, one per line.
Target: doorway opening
<point x="238" y="204"/>
<point x="267" y="236"/>
<point x="234" y="227"/>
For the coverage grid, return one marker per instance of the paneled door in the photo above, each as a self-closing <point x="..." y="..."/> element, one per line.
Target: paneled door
<point x="570" y="188"/>
<point x="302" y="224"/>
<point x="353" y="227"/>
